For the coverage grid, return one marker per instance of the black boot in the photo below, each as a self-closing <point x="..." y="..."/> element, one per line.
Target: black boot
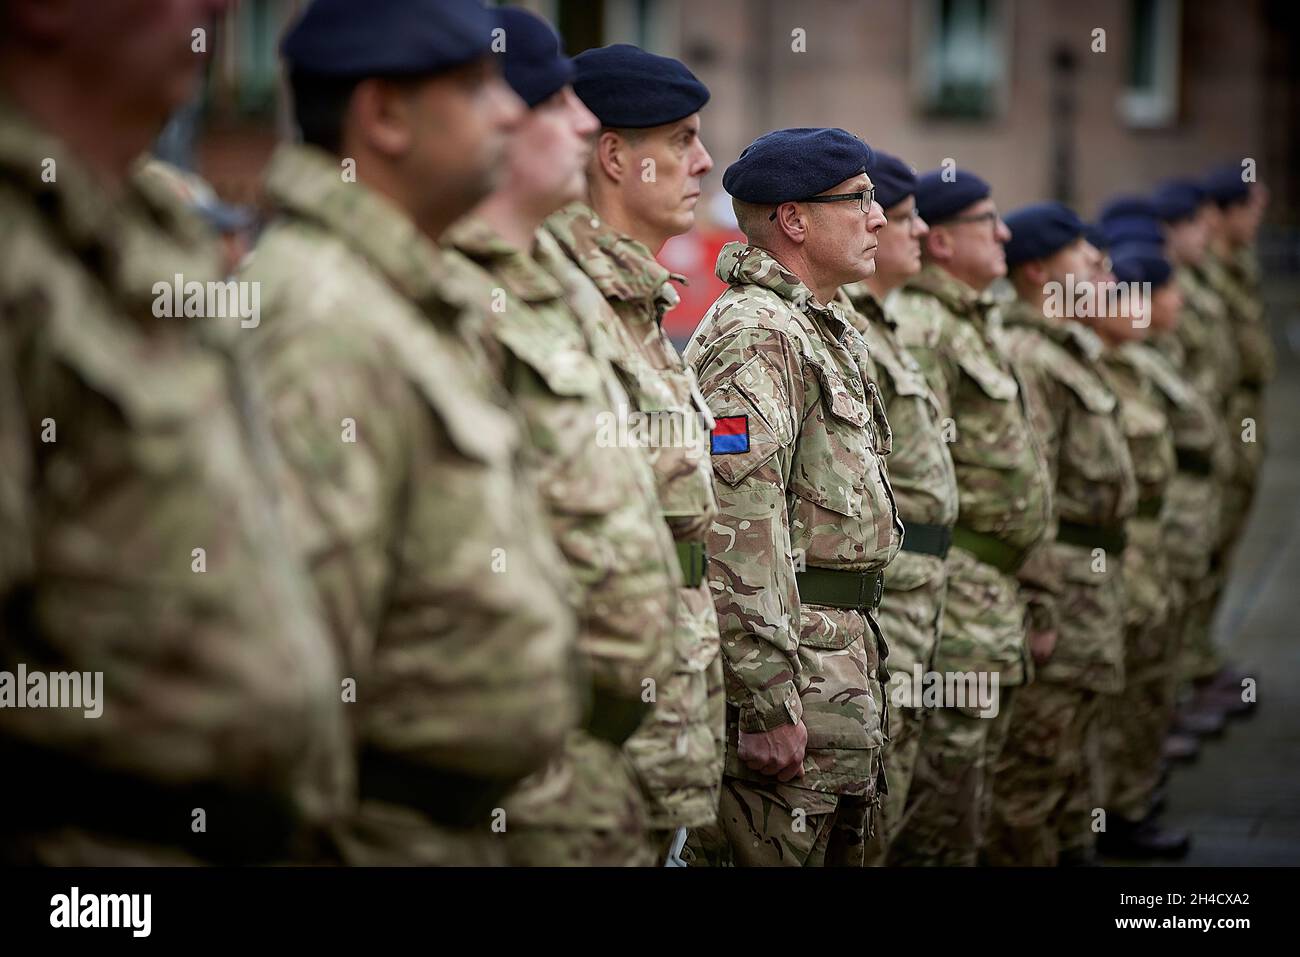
<point x="1124" y="838"/>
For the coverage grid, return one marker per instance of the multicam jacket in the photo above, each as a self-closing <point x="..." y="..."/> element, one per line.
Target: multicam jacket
<point x="921" y="474"/>
<point x="678" y="752"/>
<point x="429" y="546"/>
<point x="138" y="541"/>
<point x="807" y="490"/>
<point x="600" y="496"/>
<point x="1005" y="489"/>
<point x="1152" y="451"/>
<point x="1077" y="419"/>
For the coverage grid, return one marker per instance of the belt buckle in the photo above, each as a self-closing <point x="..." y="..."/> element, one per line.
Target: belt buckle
<point x="879" y="594"/>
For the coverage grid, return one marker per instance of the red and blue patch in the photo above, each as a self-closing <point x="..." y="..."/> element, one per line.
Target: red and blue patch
<point x="730" y="435"/>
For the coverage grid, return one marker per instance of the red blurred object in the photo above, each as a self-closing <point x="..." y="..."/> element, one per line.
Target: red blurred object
<point x="693" y="255"/>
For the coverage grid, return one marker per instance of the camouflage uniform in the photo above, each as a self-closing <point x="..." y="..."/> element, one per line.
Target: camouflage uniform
<point x="1005" y="505"/>
<point x="678" y="752"/>
<point x="138" y="539"/>
<point x="807" y="522"/>
<point x="585" y="807"/>
<point x="1133" y="724"/>
<point x="1211" y="361"/>
<point x="1046" y="780"/>
<point x="1244" y="316"/>
<point x="1189" y="520"/>
<point x="430" y="552"/>
<point x="925" y="485"/>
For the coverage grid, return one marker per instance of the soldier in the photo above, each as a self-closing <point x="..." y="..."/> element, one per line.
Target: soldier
<point x="139" y="553"/>
<point x="430" y="552"/>
<point x="807" y="518"/>
<point x="951" y="326"/>
<point x="586" y="806"/>
<point x="922" y="476"/>
<point x="1212" y="362"/>
<point x="1133" y="725"/>
<point x="1046" y="772"/>
<point x="643" y="181"/>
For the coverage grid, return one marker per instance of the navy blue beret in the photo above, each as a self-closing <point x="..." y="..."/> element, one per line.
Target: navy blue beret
<point x="1140" y="262"/>
<point x="794" y="164"/>
<point x="388" y="37"/>
<point x="532" y="63"/>
<point x="1118" y="206"/>
<point x="894" y="180"/>
<point x="627" y="87"/>
<point x="938" y="200"/>
<point x="1177" y="199"/>
<point x="1039" y="230"/>
<point x="1225" y="185"/>
<point x="1132" y="229"/>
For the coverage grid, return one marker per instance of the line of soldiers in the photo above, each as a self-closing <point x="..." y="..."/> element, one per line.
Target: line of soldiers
<point x="451" y="558"/>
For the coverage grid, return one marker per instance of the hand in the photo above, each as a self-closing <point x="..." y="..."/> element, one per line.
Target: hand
<point x="1041" y="645"/>
<point x="778" y="752"/>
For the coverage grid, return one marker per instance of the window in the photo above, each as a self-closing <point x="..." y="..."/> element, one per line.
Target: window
<point x="1150" y="97"/>
<point x="960" y="55"/>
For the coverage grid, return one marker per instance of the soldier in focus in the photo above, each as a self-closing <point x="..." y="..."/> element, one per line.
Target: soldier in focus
<point x="807" y="518"/>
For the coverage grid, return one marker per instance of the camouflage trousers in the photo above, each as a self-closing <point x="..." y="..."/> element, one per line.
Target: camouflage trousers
<point x="1133" y="725"/>
<point x="1199" y="657"/>
<point x="584" y="809"/>
<point x="779" y="825"/>
<point x="909" y="618"/>
<point x="1043" y="785"/>
<point x="949" y="803"/>
<point x="905" y="729"/>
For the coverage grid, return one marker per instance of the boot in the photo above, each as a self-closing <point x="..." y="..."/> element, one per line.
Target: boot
<point x="1124" y="838"/>
<point x="1181" y="747"/>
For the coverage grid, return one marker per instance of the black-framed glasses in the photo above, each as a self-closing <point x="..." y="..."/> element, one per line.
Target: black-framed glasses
<point x="864" y="199"/>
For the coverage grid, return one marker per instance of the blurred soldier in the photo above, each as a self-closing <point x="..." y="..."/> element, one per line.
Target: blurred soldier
<point x="1133" y="725"/>
<point x="430" y="552"/>
<point x="1005" y="501"/>
<point x="1046" y="774"/>
<point x="643" y="182"/>
<point x="586" y="806"/>
<point x="1212" y="362"/>
<point x="922" y="476"/>
<point x="807" y="519"/>
<point x="139" y="552"/>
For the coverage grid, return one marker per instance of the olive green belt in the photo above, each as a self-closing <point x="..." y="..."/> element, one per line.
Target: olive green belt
<point x="694" y="559"/>
<point x="927" y="539"/>
<point x="1150" y="507"/>
<point x="990" y="550"/>
<point x="1112" y="539"/>
<point x="836" y="588"/>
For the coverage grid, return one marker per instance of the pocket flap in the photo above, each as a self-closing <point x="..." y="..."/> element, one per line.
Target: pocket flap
<point x="994" y="382"/>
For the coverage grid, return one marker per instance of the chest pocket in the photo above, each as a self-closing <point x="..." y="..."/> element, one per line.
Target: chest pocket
<point x="832" y="460"/>
<point x="1094" y="445"/>
<point x="579" y="440"/>
<point x="672" y="418"/>
<point x="908" y="382"/>
<point x="990" y="420"/>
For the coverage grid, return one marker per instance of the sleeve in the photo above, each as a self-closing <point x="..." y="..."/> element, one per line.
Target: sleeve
<point x="1040" y="575"/>
<point x="752" y="382"/>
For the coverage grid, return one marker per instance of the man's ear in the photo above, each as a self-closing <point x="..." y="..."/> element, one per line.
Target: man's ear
<point x="379" y="115"/>
<point x="612" y="155"/>
<point x="792" y="221"/>
<point x="938" y="244"/>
